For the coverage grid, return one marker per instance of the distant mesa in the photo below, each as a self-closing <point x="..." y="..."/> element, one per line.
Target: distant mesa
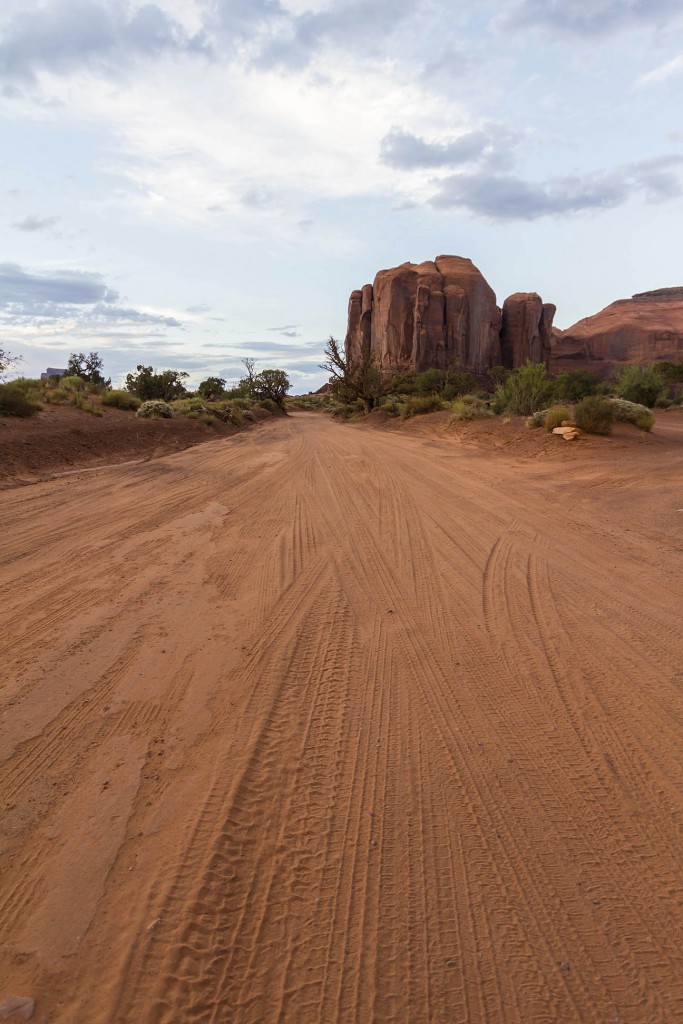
<point x="647" y="328"/>
<point x="422" y="315"/>
<point x="52" y="372"/>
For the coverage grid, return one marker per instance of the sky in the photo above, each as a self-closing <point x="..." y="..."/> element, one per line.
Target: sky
<point x="187" y="183"/>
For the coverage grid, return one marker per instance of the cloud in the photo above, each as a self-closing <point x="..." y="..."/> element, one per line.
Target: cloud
<point x="661" y="73"/>
<point x="68" y="301"/>
<point x="18" y="287"/>
<point x="201" y="307"/>
<point x="66" y="35"/>
<point x="288" y="331"/>
<point x="34" y="223"/>
<point x="359" y="25"/>
<point x="505" y="197"/>
<point x="406" y="152"/>
<point x="588" y="17"/>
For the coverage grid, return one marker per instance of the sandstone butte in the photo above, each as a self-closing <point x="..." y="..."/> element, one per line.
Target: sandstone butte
<point x="422" y="315"/>
<point x="430" y="314"/>
<point x="644" y="329"/>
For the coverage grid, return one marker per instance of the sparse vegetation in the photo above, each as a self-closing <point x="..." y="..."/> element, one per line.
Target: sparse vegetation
<point x="155" y="409"/>
<point x="7" y="362"/>
<point x="594" y="415"/>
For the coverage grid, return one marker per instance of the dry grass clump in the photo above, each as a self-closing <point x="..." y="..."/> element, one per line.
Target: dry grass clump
<point x="555" y="417"/>
<point x="120" y="399"/>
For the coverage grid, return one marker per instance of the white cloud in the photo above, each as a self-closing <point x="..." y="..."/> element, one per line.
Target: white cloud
<point x="662" y="73"/>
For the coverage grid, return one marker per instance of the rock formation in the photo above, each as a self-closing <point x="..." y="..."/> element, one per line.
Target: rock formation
<point x="527" y="329"/>
<point x="643" y="329"/>
<point x="433" y="314"/>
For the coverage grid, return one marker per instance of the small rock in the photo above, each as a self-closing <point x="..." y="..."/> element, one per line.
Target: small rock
<point x="18" y="1007"/>
<point x="564" y="967"/>
<point x="450" y="963"/>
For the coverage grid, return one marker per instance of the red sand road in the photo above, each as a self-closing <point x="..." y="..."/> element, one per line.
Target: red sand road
<point x="324" y="724"/>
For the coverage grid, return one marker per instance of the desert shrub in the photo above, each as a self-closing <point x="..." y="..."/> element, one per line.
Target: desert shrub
<point x="525" y="390"/>
<point x="404" y="384"/>
<point x="155" y="409"/>
<point x="594" y="415"/>
<point x="418" y="405"/>
<point x="121" y="399"/>
<point x="554" y="417"/>
<point x="208" y="418"/>
<point x="73" y="383"/>
<point x="537" y="419"/>
<point x="13" y="402"/>
<point x="642" y="385"/>
<point x="469" y="408"/>
<point x="664" y="403"/>
<point x="577" y="384"/>
<point x="343" y="411"/>
<point x="248" y="414"/>
<point x="631" y="412"/>
<point x="240" y="402"/>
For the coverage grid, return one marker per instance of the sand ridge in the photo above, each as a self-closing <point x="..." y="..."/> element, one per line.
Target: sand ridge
<point x="318" y="724"/>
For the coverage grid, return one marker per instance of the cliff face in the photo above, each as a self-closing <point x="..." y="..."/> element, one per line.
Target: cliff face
<point x="423" y="315"/>
<point x="644" y="329"/>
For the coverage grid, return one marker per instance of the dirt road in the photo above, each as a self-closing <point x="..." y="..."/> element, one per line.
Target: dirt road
<point x="321" y="724"/>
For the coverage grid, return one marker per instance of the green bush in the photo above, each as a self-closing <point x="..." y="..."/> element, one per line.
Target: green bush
<point x="419" y="405"/>
<point x="631" y="412"/>
<point x="525" y="390"/>
<point x="554" y="417"/>
<point x="469" y="408"/>
<point x="577" y="384"/>
<point x="642" y="385"/>
<point x="664" y="403"/>
<point x="155" y="409"/>
<point x="594" y="415"/>
<point x="13" y="402"/>
<point x="121" y="399"/>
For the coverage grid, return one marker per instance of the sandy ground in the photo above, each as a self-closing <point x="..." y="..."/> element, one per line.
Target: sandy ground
<point x="329" y="724"/>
